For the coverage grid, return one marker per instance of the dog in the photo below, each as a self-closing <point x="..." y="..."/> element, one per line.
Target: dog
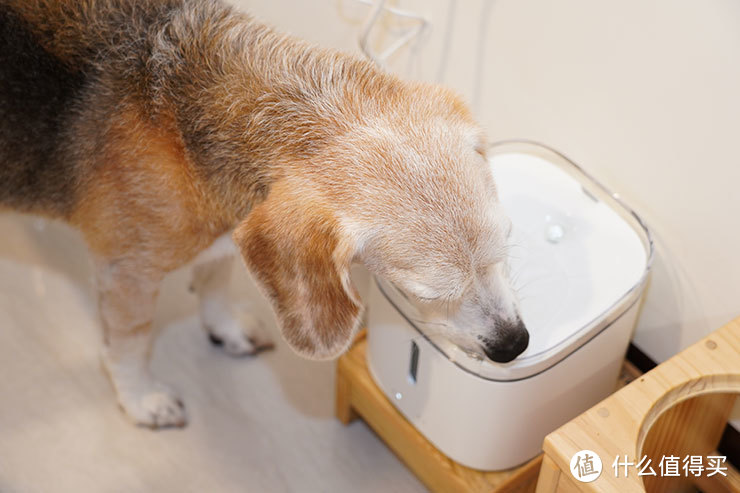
<point x="159" y="128"/>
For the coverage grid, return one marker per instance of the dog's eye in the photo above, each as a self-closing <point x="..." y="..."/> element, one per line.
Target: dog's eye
<point x="428" y="300"/>
<point x="442" y="298"/>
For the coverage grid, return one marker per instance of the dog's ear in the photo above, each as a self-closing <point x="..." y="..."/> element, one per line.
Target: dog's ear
<point x="295" y="250"/>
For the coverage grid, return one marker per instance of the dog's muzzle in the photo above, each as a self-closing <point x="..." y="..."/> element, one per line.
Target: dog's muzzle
<point x="512" y="340"/>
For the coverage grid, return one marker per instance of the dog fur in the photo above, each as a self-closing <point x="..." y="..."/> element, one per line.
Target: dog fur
<point x="156" y="127"/>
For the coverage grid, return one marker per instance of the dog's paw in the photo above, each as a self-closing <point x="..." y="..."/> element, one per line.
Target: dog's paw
<point x="158" y="407"/>
<point x="142" y="398"/>
<point x="240" y="336"/>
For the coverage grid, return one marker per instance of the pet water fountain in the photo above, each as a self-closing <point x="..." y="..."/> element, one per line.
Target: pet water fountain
<point x="580" y="260"/>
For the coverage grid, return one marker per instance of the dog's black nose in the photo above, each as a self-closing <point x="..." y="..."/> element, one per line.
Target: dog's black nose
<point x="513" y="343"/>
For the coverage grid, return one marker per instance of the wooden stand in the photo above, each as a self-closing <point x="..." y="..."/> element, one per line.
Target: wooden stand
<point x="679" y="408"/>
<point x="358" y="396"/>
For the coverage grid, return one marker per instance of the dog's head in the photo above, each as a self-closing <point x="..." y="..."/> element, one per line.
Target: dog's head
<point x="410" y="194"/>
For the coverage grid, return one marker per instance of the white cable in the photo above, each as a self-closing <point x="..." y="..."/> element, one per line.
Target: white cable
<point x="372" y="20"/>
<point x="447" y="43"/>
<point x="480" y="51"/>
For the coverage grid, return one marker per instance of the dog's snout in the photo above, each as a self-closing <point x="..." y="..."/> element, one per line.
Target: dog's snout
<point x="512" y="341"/>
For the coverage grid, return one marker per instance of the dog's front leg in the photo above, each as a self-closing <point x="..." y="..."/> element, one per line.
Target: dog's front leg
<point x="237" y="333"/>
<point x="127" y="292"/>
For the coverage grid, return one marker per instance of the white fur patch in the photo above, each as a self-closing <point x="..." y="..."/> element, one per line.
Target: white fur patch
<point x="223" y="247"/>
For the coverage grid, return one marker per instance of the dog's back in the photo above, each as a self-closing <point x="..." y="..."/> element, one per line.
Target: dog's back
<point x="48" y="60"/>
<point x="37" y="94"/>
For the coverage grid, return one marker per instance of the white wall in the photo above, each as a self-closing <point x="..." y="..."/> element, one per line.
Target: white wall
<point x="643" y="94"/>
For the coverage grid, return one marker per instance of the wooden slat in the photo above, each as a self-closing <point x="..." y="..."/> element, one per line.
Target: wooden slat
<point x="549" y="476"/>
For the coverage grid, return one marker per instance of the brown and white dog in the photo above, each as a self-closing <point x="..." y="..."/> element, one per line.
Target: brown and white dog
<point x="158" y="126"/>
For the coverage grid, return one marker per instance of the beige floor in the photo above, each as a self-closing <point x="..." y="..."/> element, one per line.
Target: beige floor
<point x="260" y="424"/>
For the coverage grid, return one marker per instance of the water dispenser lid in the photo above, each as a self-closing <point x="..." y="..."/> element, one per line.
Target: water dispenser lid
<point x="579" y="258"/>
